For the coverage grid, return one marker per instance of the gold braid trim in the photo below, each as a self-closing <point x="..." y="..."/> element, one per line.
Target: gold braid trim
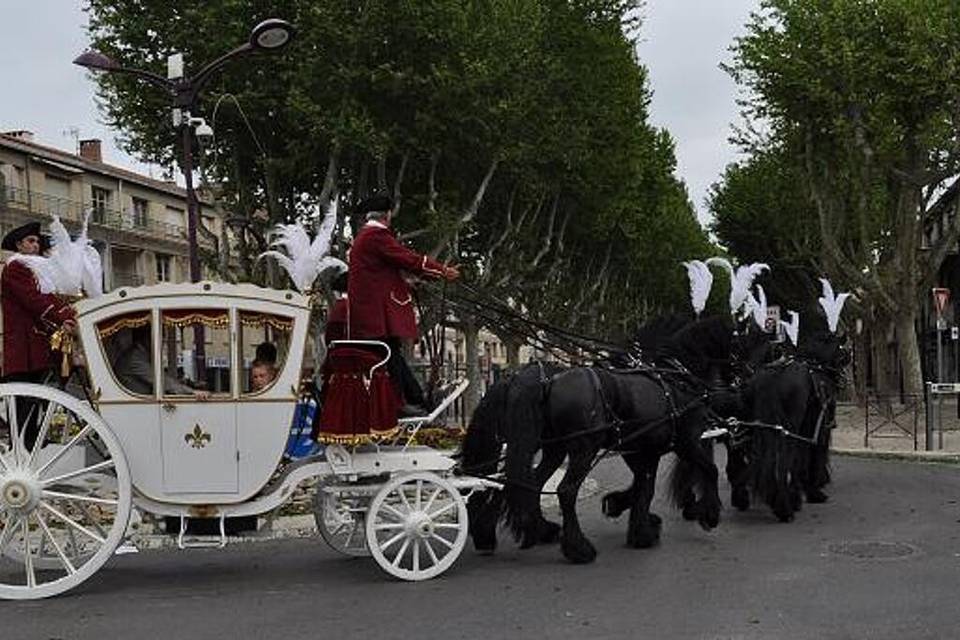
<point x="355" y="439"/>
<point x="259" y="319"/>
<point x="206" y="319"/>
<point x="109" y="328"/>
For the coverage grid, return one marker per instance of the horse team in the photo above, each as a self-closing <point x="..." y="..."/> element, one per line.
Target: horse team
<point x="681" y="385"/>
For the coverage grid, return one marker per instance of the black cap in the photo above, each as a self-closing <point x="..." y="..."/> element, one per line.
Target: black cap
<point x="375" y="203"/>
<point x="11" y="239"/>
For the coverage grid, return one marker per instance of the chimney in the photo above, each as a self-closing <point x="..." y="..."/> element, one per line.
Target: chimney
<point x="22" y="134"/>
<point x="90" y="150"/>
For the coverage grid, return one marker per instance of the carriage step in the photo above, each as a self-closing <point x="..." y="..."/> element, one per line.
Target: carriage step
<point x="201" y="542"/>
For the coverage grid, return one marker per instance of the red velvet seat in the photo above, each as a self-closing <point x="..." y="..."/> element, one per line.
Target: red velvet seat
<point x="358" y="407"/>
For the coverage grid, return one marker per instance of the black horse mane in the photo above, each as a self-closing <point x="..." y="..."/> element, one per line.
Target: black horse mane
<point x="701" y="345"/>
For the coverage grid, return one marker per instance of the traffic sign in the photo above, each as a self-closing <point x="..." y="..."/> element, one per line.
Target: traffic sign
<point x="940" y="297"/>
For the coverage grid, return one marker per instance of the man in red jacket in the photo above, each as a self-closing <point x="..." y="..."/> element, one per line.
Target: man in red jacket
<point x="30" y="316"/>
<point x="379" y="297"/>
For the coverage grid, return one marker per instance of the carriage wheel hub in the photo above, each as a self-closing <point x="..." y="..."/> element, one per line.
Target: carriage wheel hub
<point x="19" y="493"/>
<point x="419" y="524"/>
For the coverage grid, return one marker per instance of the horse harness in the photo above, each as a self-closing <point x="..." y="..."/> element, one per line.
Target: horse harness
<point x="822" y="378"/>
<point x="614" y="423"/>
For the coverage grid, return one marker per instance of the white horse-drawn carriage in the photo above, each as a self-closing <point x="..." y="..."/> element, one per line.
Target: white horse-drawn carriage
<point x="71" y="470"/>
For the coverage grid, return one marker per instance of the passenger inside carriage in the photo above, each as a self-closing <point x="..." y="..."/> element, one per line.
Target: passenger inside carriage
<point x="133" y="366"/>
<point x="262" y="374"/>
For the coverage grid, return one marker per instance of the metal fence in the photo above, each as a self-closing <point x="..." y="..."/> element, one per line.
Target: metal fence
<point x="892" y="416"/>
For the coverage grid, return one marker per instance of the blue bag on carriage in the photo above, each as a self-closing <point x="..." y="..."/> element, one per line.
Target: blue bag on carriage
<point x="300" y="442"/>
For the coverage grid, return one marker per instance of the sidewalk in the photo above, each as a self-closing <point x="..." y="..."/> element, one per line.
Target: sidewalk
<point x="895" y="430"/>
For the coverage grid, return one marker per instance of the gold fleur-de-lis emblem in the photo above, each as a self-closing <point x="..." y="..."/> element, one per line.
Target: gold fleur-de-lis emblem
<point x="197" y="439"/>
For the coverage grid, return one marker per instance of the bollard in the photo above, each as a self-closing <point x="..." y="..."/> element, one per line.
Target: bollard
<point x="927" y="402"/>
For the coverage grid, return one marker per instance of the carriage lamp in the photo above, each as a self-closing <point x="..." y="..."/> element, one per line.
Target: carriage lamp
<point x="269" y="35"/>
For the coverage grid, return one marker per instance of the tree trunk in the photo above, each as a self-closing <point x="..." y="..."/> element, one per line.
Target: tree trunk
<point x="513" y="353"/>
<point x="909" y="350"/>
<point x="471" y="397"/>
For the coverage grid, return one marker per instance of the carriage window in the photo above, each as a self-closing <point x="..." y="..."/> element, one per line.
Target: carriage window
<point x="195" y="351"/>
<point x="126" y="342"/>
<point x="264" y="342"/>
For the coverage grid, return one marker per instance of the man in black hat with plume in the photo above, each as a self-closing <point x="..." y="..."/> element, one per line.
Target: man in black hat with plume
<point x="30" y="316"/>
<point x="380" y="302"/>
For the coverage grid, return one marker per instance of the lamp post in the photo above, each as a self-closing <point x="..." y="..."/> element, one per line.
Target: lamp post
<point x="269" y="35"/>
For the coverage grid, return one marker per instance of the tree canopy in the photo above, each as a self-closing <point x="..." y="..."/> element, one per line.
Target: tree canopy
<point x="515" y="134"/>
<point x="858" y="105"/>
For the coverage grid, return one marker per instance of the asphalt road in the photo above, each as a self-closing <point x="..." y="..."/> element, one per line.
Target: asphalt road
<point x="752" y="578"/>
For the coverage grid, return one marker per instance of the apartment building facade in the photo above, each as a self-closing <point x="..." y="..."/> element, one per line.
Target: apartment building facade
<point x="137" y="223"/>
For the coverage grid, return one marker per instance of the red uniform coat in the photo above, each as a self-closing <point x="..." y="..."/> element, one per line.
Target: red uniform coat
<point x="29" y="318"/>
<point x="381" y="304"/>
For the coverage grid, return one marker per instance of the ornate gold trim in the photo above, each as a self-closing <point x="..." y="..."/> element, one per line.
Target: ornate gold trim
<point x="355" y="439"/>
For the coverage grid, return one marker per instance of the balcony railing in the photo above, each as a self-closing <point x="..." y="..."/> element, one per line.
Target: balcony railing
<point x="106" y="217"/>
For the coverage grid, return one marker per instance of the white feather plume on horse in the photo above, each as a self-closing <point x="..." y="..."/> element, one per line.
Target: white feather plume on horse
<point x="759" y="307"/>
<point x="305" y="260"/>
<point x="741" y="280"/>
<point x="792" y="328"/>
<point x="701" y="281"/>
<point x="832" y="304"/>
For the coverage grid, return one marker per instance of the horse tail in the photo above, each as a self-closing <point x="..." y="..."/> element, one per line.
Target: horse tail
<point x="480" y="451"/>
<point x="774" y="463"/>
<point x="480" y="456"/>
<point x="525" y="421"/>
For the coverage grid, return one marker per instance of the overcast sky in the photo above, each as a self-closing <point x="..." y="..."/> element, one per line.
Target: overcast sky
<point x="683" y="43"/>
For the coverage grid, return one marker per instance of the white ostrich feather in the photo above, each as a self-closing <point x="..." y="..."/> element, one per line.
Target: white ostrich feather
<point x="303" y="260"/>
<point x="701" y="281"/>
<point x="832" y="304"/>
<point x="759" y="309"/>
<point x="792" y="328"/>
<point x="74" y="264"/>
<point x="741" y="280"/>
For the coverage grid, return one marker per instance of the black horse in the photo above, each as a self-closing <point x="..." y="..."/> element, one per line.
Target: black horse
<point x="517" y="398"/>
<point x="640" y="414"/>
<point x="792" y="410"/>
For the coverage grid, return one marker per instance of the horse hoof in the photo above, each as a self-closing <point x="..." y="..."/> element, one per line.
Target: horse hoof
<point x="655" y="519"/>
<point x="709" y="522"/>
<point x="816" y="496"/>
<point x="691" y="512"/>
<point x="740" y="498"/>
<point x="581" y="552"/>
<point x="644" y="537"/>
<point x="549" y="532"/>
<point x="784" y="517"/>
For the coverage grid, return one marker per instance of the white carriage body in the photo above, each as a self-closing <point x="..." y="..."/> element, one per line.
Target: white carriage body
<point x="65" y="501"/>
<point x="244" y="434"/>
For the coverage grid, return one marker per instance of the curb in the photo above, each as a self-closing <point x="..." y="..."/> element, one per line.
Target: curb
<point x="926" y="457"/>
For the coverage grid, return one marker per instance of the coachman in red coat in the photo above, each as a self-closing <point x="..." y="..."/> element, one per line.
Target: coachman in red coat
<point x="29" y="316"/>
<point x="380" y="299"/>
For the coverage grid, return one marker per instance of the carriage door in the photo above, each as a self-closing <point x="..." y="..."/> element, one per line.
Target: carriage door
<point x="198" y="420"/>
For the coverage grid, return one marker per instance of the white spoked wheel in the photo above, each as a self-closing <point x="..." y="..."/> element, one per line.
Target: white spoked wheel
<point x="64" y="491"/>
<point x="341" y="519"/>
<point x="417" y="526"/>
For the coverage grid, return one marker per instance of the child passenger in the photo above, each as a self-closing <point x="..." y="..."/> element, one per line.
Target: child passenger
<point x="262" y="374"/>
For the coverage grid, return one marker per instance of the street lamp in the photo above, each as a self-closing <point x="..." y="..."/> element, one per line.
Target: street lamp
<point x="269" y="35"/>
